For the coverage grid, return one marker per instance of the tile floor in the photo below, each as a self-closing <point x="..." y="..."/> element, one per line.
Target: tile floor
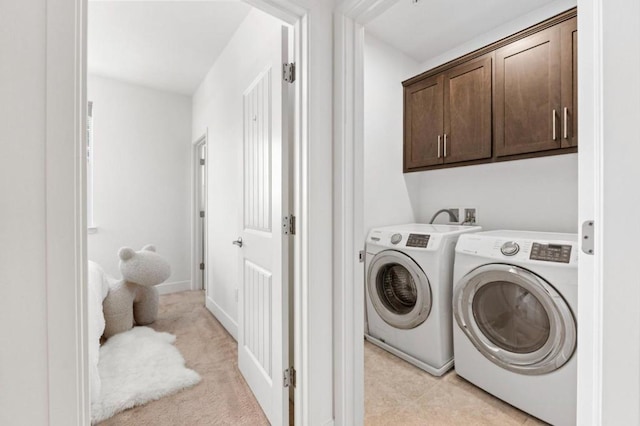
<point x="397" y="393"/>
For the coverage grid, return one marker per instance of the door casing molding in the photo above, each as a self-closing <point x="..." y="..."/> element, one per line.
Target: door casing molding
<point x="196" y="228"/>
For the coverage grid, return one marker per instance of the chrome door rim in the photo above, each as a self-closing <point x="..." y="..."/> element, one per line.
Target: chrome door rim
<point x="422" y="308"/>
<point x="560" y="344"/>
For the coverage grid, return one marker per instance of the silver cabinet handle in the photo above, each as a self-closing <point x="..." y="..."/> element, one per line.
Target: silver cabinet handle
<point x="237" y="242"/>
<point x="566" y="132"/>
<point x="445" y="145"/>
<point x="553" y="117"/>
<point x="438" y="146"/>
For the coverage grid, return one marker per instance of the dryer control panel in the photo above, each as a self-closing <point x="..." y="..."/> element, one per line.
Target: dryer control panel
<point x="522" y="247"/>
<point x="551" y="252"/>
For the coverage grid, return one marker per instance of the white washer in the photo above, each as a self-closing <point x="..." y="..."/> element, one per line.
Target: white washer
<point x="408" y="291"/>
<point x="514" y="303"/>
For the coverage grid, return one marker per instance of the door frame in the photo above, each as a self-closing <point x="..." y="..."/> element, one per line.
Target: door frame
<point x="198" y="245"/>
<point x="66" y="227"/>
<point x="349" y="21"/>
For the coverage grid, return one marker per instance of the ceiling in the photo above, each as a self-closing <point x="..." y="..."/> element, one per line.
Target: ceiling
<point x="167" y="45"/>
<point x="429" y="28"/>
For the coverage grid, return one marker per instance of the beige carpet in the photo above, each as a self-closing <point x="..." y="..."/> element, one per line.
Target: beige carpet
<point x="397" y="393"/>
<point x="223" y="397"/>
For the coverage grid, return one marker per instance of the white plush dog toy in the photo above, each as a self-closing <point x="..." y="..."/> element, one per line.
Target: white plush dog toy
<point x="134" y="300"/>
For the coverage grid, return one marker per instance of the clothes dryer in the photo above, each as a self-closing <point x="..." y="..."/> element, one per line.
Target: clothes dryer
<point x="515" y="303"/>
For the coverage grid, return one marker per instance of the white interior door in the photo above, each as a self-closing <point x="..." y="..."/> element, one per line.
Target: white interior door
<point x="263" y="346"/>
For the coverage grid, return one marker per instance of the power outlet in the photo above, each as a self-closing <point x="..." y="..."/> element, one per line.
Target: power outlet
<point x="470" y="215"/>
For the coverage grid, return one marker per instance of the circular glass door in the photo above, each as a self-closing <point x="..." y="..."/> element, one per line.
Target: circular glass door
<point x="399" y="289"/>
<point x="515" y="319"/>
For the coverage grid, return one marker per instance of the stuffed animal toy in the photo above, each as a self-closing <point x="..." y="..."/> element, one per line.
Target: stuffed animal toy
<point x="134" y="300"/>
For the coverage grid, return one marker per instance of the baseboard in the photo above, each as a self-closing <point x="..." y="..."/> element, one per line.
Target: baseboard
<point x="173" y="287"/>
<point x="227" y="322"/>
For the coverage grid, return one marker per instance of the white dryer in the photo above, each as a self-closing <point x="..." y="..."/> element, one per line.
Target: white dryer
<point x="408" y="292"/>
<point x="514" y="303"/>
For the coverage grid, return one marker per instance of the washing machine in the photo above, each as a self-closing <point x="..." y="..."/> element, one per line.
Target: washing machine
<point x="409" y="278"/>
<point x="515" y="303"/>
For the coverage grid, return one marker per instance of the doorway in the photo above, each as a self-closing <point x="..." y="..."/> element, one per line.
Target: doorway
<point x="351" y="35"/>
<point x="240" y="253"/>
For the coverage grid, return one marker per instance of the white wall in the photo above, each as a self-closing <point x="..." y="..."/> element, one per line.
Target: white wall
<point x="217" y="110"/>
<point x="614" y="129"/>
<point x="387" y="199"/>
<point x="23" y="305"/>
<point x="142" y="175"/>
<point x="535" y="194"/>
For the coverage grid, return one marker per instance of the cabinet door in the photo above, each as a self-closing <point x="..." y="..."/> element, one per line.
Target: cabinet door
<point x="467" y="111"/>
<point x="569" y="82"/>
<point x="423" y="123"/>
<point x="527" y="94"/>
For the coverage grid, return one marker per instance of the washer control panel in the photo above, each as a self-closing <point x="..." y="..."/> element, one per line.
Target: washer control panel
<point x="551" y="252"/>
<point x="510" y="248"/>
<point x="418" y="240"/>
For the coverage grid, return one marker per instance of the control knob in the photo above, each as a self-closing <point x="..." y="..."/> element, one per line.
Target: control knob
<point x="510" y="248"/>
<point x="396" y="238"/>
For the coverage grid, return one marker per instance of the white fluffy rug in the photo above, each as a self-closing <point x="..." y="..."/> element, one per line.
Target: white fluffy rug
<point x="136" y="367"/>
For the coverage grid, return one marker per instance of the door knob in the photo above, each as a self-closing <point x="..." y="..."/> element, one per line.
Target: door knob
<point x="238" y="242"/>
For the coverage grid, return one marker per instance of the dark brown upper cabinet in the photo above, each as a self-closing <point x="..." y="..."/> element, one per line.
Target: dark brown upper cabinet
<point x="467" y="111"/>
<point x="569" y="82"/>
<point x="516" y="98"/>
<point x="448" y="116"/>
<point x="424" y="123"/>
<point x="527" y="104"/>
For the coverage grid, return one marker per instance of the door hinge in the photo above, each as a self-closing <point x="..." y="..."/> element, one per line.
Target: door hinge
<point x="202" y="161"/>
<point x="289" y="225"/>
<point x="202" y="266"/>
<point x="289" y="72"/>
<point x="587" y="237"/>
<point x="201" y="213"/>
<point x="361" y="256"/>
<point x="289" y="377"/>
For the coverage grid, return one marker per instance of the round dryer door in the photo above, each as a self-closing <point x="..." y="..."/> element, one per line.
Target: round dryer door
<point x="399" y="289"/>
<point x="515" y="319"/>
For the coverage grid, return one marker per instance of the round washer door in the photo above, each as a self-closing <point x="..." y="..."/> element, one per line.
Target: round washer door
<point x="515" y="319"/>
<point x="399" y="289"/>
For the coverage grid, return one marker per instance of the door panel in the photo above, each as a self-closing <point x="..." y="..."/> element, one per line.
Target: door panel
<point x="569" y="74"/>
<point x="263" y="345"/>
<point x="424" y="121"/>
<point x="259" y="321"/>
<point x="467" y="111"/>
<point x="257" y="196"/>
<point x="527" y="106"/>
